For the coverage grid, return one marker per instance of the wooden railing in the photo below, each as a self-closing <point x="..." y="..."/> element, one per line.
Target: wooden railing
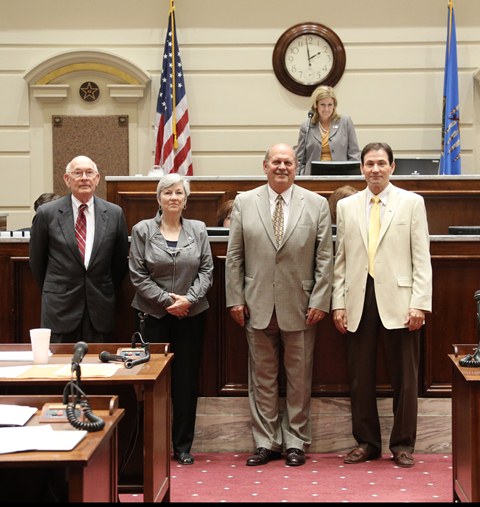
<point x="456" y="277"/>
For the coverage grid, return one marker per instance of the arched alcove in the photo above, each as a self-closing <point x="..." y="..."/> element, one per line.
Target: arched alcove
<point x="55" y="86"/>
<point x="46" y="78"/>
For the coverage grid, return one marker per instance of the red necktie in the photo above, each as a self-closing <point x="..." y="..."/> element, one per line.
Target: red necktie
<point x="81" y="230"/>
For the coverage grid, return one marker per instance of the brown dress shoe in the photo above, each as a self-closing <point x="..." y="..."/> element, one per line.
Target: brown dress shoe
<point x="360" y="455"/>
<point x="262" y="456"/>
<point x="295" y="457"/>
<point x="403" y="459"/>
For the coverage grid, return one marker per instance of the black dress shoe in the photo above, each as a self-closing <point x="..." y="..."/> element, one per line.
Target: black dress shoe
<point x="184" y="458"/>
<point x="262" y="456"/>
<point x="295" y="457"/>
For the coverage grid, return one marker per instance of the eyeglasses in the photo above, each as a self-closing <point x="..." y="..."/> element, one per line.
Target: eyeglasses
<point x="77" y="174"/>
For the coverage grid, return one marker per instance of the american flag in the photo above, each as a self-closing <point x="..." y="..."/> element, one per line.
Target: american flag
<point x="173" y="147"/>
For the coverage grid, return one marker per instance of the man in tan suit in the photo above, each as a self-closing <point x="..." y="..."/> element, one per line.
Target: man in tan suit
<point x="279" y="291"/>
<point x="385" y="299"/>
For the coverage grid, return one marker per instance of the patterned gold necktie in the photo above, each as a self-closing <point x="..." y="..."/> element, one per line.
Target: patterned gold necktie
<point x="277" y="219"/>
<point x="373" y="231"/>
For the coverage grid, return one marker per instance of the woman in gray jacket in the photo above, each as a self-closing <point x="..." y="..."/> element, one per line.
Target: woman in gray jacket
<point x="325" y="135"/>
<point x="171" y="268"/>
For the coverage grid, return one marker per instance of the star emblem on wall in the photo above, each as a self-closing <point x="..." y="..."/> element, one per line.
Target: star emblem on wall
<point x="89" y="91"/>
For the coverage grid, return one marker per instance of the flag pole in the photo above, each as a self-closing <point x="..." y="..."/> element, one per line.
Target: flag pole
<point x="174" y="88"/>
<point x="450" y="7"/>
<point x="450" y="158"/>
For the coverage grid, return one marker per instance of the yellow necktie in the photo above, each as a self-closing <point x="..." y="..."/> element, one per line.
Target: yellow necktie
<point x="373" y="231"/>
<point x="277" y="219"/>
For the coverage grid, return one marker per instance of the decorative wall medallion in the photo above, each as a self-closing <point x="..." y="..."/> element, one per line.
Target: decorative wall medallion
<point x="89" y="91"/>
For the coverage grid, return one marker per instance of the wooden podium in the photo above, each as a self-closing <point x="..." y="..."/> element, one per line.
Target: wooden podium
<point x="151" y="379"/>
<point x="465" y="428"/>
<point x="91" y="467"/>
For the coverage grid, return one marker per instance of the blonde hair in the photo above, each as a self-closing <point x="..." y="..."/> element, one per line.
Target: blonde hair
<point x="320" y="93"/>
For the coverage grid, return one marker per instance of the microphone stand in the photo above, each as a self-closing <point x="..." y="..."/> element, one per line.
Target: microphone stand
<point x="304" y="159"/>
<point x="473" y="360"/>
<point x="74" y="392"/>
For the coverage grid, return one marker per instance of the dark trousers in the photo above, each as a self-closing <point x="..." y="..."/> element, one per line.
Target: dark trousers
<point x="402" y="352"/>
<point x="186" y="342"/>
<point x="84" y="332"/>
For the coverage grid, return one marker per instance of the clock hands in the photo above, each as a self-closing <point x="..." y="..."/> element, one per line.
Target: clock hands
<point x="312" y="57"/>
<point x="308" y="52"/>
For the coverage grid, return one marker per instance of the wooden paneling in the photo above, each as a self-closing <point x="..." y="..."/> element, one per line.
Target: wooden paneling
<point x="138" y="205"/>
<point x="450" y="200"/>
<point x="465" y="433"/>
<point x="456" y="277"/>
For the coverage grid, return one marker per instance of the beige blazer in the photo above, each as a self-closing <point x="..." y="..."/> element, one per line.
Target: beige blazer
<point x="403" y="271"/>
<point x="292" y="278"/>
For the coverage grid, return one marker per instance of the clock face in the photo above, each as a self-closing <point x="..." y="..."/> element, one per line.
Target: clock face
<point x="308" y="55"/>
<point x="309" y="59"/>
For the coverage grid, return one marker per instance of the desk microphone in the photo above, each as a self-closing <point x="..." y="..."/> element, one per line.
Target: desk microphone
<point x="126" y="358"/>
<point x="106" y="357"/>
<point x="473" y="360"/>
<point x="476" y="296"/>
<point x="304" y="160"/>
<point x="79" y="351"/>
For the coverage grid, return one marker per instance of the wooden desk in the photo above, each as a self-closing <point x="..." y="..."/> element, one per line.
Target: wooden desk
<point x="459" y="194"/>
<point x="465" y="430"/>
<point x="91" y="467"/>
<point x="151" y="379"/>
<point x="456" y="268"/>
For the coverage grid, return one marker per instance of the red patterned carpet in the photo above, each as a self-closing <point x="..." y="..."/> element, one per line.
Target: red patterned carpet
<point x="224" y="477"/>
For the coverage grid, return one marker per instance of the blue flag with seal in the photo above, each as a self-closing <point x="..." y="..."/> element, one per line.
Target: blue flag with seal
<point x="450" y="158"/>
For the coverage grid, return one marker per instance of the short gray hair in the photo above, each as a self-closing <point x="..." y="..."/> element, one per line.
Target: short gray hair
<point x="171" y="179"/>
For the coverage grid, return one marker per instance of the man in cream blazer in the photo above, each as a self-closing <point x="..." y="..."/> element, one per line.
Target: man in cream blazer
<point x="385" y="302"/>
<point x="279" y="292"/>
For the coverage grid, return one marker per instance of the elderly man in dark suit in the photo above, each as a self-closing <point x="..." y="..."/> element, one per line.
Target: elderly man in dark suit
<point x="78" y="260"/>
<point x="278" y="288"/>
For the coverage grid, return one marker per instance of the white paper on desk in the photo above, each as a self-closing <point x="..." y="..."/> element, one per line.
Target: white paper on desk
<point x="30" y="371"/>
<point x="15" y="415"/>
<point x="38" y="438"/>
<point x="91" y="370"/>
<point x="18" y="355"/>
<point x="13" y="371"/>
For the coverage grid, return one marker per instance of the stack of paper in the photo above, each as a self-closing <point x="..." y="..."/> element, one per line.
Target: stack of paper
<point x="15" y="415"/>
<point x="38" y="438"/>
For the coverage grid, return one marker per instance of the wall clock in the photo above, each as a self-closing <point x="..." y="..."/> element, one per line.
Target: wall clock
<point x="308" y="55"/>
